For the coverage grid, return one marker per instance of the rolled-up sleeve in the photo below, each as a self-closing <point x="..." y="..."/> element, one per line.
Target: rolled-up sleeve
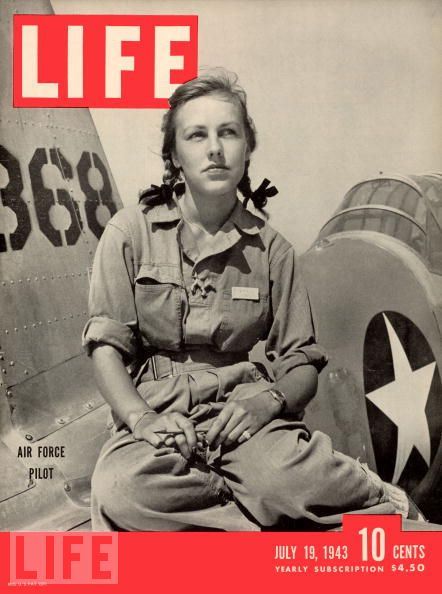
<point x="291" y="341"/>
<point x="112" y="312"/>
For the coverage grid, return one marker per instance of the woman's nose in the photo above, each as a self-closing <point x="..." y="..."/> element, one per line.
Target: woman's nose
<point x="215" y="149"/>
<point x="215" y="152"/>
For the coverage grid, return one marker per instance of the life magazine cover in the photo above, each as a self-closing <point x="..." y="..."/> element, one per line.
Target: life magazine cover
<point x="345" y="97"/>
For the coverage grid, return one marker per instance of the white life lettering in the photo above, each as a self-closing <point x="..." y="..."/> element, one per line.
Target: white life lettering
<point x="115" y="62"/>
<point x="31" y="87"/>
<point x="75" y="61"/>
<point x="164" y="62"/>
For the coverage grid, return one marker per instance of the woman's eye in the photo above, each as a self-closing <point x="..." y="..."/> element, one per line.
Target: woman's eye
<point x="196" y="135"/>
<point x="228" y="132"/>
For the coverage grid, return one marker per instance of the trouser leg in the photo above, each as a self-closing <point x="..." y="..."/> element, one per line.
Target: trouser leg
<point x="136" y="487"/>
<point x="283" y="471"/>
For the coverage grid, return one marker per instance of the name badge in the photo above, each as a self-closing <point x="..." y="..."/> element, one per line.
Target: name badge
<point x="251" y="293"/>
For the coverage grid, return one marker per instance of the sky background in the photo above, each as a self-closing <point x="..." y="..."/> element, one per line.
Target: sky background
<point x="338" y="89"/>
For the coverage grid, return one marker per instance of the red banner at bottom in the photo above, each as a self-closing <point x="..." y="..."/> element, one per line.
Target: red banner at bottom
<point x="371" y="552"/>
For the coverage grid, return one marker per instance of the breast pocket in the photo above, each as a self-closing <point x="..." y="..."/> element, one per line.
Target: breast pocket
<point x="244" y="318"/>
<point x="158" y="299"/>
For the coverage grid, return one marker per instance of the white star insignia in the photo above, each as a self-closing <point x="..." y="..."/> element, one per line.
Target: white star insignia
<point x="404" y="401"/>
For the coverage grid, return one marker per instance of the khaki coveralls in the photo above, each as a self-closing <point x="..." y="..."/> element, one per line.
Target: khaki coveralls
<point x="185" y="323"/>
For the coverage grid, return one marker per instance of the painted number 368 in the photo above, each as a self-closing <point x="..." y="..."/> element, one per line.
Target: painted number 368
<point x="45" y="198"/>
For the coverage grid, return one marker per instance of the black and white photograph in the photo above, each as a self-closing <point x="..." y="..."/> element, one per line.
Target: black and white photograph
<point x="226" y="315"/>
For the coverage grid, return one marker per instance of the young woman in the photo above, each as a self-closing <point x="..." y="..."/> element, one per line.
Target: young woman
<point x="183" y="286"/>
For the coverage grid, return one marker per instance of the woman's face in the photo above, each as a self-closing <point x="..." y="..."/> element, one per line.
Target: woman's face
<point x="210" y="145"/>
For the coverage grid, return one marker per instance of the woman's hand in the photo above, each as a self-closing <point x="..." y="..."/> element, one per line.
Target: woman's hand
<point x="167" y="429"/>
<point x="247" y="416"/>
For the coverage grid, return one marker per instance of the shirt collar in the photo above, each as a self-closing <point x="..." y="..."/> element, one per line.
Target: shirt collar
<point x="242" y="218"/>
<point x="167" y="212"/>
<point x="245" y="221"/>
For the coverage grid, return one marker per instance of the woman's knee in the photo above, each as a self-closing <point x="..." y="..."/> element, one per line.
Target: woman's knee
<point x="133" y="482"/>
<point x="125" y="484"/>
<point x="293" y="463"/>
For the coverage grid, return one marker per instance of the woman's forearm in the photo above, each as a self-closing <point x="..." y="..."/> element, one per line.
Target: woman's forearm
<point x="299" y="386"/>
<point x="115" y="384"/>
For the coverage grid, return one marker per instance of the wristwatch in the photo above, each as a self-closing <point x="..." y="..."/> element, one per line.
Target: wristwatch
<point x="279" y="397"/>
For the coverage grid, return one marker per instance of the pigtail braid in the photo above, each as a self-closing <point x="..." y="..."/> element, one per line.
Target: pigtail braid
<point x="162" y="194"/>
<point x="259" y="196"/>
<point x="244" y="185"/>
<point x="171" y="173"/>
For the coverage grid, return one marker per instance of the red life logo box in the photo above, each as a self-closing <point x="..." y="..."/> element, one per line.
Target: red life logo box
<point x="129" y="61"/>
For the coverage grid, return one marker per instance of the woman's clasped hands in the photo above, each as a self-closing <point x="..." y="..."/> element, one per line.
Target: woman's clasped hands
<point x="238" y="421"/>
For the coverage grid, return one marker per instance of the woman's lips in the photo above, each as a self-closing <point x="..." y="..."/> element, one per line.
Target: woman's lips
<point x="217" y="173"/>
<point x="216" y="168"/>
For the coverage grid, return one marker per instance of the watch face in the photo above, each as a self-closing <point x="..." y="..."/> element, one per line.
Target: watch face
<point x="279" y="396"/>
